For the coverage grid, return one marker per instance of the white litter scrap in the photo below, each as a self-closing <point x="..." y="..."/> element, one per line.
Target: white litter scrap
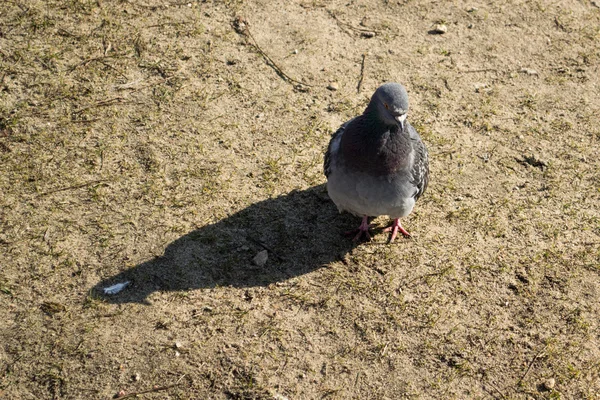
<point x="116" y="288"/>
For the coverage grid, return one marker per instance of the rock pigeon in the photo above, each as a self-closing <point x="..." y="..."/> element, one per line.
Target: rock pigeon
<point x="376" y="163"/>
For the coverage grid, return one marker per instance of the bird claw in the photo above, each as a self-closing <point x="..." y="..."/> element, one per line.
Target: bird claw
<point x="360" y="233"/>
<point x="395" y="228"/>
<point x="362" y="229"/>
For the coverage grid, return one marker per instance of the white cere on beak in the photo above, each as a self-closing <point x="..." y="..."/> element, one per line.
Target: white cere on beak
<point x="400" y="118"/>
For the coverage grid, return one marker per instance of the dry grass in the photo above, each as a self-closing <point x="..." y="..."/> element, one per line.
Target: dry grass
<point x="151" y="142"/>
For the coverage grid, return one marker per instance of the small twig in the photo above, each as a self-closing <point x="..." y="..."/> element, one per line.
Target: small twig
<point x="100" y="104"/>
<point x="447" y="85"/>
<point x="168" y="24"/>
<point x="496" y="389"/>
<point x="87" y="61"/>
<point x="347" y="25"/>
<point x="537" y="355"/>
<point x="164" y="80"/>
<point x="113" y="68"/>
<point x="362" y="73"/>
<point x="72" y="187"/>
<point x="264" y="246"/>
<point x="153" y="390"/>
<point x="430" y="275"/>
<point x="66" y="33"/>
<point x="356" y="380"/>
<point x="469" y="71"/>
<point x="241" y="26"/>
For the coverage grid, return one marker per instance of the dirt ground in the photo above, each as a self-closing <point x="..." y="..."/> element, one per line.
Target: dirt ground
<point x="167" y="144"/>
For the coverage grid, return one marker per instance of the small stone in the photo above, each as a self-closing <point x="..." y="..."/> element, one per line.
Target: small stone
<point x="529" y="71"/>
<point x="178" y="345"/>
<point x="596" y="3"/>
<point x="479" y="87"/>
<point x="121" y="393"/>
<point x="260" y="259"/>
<point x="439" y="29"/>
<point x="549" y="383"/>
<point x="177" y="354"/>
<point x="470" y="26"/>
<point x="136" y="377"/>
<point x="295" y="51"/>
<point x="333" y="86"/>
<point x="472" y="9"/>
<point x="367" y="35"/>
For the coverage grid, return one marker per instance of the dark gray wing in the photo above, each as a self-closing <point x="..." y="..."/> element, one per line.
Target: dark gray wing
<point x="420" y="170"/>
<point x="328" y="153"/>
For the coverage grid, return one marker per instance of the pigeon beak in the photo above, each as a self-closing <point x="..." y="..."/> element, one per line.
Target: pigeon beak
<point x="400" y="118"/>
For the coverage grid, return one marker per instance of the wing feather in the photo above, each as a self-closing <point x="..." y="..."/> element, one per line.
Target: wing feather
<point x="332" y="149"/>
<point x="420" y="169"/>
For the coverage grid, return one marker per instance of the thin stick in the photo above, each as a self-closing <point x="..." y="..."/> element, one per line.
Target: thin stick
<point x="153" y="390"/>
<point x="113" y="68"/>
<point x="72" y="187"/>
<point x="347" y="25"/>
<point x="87" y="61"/>
<point x="356" y="380"/>
<point x="496" y="389"/>
<point x="430" y="275"/>
<point x="468" y="71"/>
<point x="362" y="72"/>
<point x="264" y="246"/>
<point x="100" y="104"/>
<point x="447" y="85"/>
<point x="245" y="30"/>
<point x="168" y="24"/>
<point x="531" y="365"/>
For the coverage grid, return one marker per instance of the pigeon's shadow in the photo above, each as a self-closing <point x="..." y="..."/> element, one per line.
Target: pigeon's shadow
<point x="301" y="231"/>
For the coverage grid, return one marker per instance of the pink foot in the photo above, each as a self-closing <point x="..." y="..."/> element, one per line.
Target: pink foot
<point x="395" y="228"/>
<point x="362" y="229"/>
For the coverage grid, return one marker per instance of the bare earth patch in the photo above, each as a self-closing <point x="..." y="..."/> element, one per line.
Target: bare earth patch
<point x="166" y="144"/>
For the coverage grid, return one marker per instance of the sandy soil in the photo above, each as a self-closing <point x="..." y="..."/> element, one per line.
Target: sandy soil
<point x="167" y="144"/>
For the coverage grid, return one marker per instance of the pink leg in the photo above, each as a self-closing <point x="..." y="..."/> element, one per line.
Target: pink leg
<point x="395" y="228"/>
<point x="362" y="229"/>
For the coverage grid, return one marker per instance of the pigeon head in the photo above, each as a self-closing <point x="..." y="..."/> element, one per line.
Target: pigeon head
<point x="390" y="104"/>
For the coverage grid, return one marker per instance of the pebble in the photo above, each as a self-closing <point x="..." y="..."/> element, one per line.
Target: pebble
<point x="260" y="259"/>
<point x="333" y="86"/>
<point x="480" y="86"/>
<point x="367" y="35"/>
<point x="136" y="377"/>
<point x="472" y="9"/>
<point x="549" y="383"/>
<point x="440" y="29"/>
<point x="529" y="71"/>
